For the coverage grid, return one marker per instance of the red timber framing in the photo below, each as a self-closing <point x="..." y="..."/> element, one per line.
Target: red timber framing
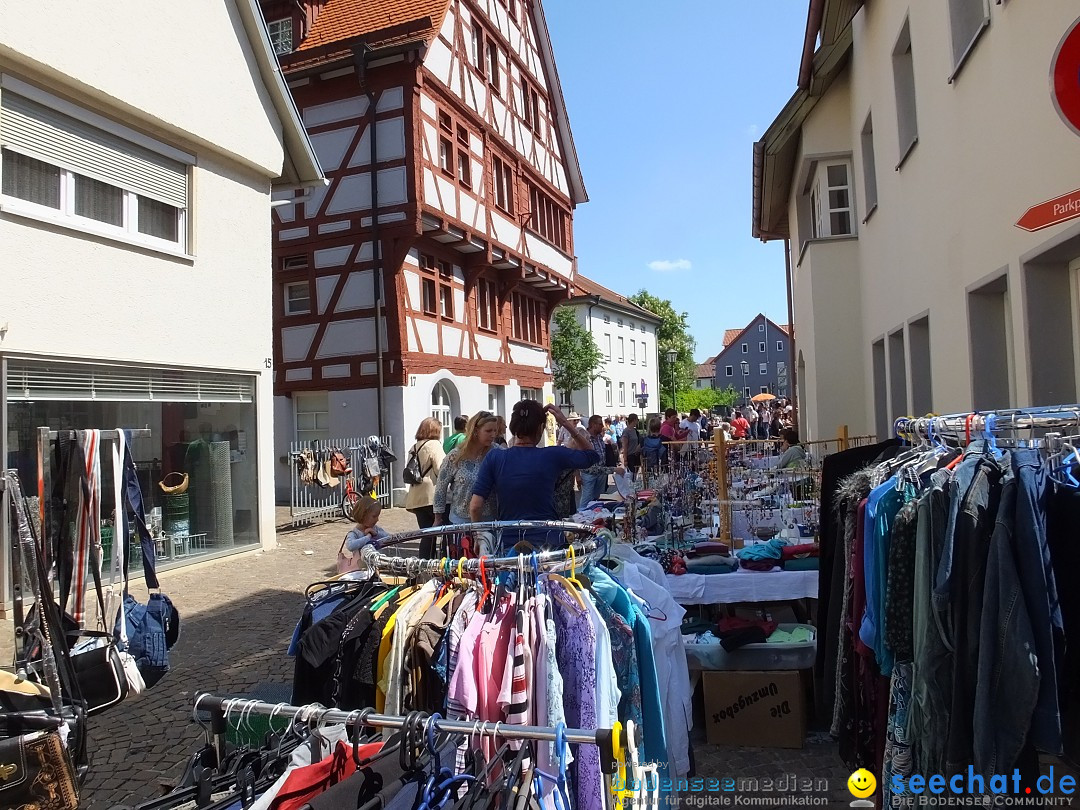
<point x="454" y="279"/>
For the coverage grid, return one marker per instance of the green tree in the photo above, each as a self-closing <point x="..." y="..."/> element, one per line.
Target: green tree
<point x="673" y="333"/>
<point x="576" y="359"/>
<point x="705" y="398"/>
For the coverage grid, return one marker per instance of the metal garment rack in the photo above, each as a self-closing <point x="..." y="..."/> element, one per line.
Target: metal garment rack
<point x="221" y="708"/>
<point x="978" y="423"/>
<point x="413" y="566"/>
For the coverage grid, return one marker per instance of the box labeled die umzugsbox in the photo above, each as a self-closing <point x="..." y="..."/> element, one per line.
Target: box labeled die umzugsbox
<point x="757" y="709"/>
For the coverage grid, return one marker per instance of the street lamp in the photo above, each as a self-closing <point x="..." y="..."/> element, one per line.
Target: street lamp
<point x="745" y="366"/>
<point x="672" y="356"/>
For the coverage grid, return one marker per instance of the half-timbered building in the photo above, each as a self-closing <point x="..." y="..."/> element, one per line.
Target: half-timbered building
<point x="424" y="287"/>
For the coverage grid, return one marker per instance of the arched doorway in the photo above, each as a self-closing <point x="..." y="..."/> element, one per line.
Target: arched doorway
<point x="442" y="405"/>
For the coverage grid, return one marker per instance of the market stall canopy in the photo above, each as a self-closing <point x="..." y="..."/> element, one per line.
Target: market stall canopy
<point x="762" y="397"/>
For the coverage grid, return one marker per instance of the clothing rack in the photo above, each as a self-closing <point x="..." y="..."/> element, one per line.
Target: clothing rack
<point x="220" y="708"/>
<point x="973" y="424"/>
<point x="411" y="566"/>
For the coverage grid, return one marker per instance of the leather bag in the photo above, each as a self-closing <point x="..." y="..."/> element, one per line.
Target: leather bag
<point x="339" y="465"/>
<point x="36" y="773"/>
<point x="99" y="669"/>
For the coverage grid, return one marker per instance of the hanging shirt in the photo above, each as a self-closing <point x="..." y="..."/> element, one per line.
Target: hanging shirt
<point x="607" y="683"/>
<point x="408" y="617"/>
<point x="576" y="654"/>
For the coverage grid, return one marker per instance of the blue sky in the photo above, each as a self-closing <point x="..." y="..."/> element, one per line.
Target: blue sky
<point x="666" y="100"/>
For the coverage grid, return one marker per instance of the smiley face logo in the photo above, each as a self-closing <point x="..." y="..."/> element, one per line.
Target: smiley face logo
<point x="861" y="783"/>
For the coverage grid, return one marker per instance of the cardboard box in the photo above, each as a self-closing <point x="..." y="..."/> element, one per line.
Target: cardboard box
<point x="754" y="709"/>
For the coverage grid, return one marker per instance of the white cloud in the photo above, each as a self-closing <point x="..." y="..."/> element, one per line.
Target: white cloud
<point x="669" y="265"/>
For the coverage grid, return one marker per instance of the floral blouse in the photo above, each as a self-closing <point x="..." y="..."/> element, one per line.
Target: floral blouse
<point x="459" y="475"/>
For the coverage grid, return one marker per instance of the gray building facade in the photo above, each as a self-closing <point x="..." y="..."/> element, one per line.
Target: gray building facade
<point x="756" y="360"/>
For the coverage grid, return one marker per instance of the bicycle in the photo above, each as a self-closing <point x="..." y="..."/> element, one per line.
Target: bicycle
<point x="350" y="495"/>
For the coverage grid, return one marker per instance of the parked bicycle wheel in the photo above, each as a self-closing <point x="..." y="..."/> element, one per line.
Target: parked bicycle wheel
<point x="348" y="501"/>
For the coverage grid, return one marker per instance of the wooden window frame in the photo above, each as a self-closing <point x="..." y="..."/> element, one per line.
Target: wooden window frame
<point x="503" y="184"/>
<point x="487" y="305"/>
<point x="446" y="156"/>
<point x="464" y="157"/>
<point x="528" y="318"/>
<point x="548" y="219"/>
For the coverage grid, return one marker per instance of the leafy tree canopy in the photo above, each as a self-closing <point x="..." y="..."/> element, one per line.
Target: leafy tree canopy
<point x="673" y="333"/>
<point x="576" y="359"/>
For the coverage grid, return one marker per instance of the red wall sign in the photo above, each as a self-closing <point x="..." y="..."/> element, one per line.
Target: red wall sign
<point x="1051" y="212"/>
<point x="1065" y="78"/>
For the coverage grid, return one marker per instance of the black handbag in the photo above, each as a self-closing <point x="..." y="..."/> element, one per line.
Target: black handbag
<point x="35" y="769"/>
<point x="99" y="671"/>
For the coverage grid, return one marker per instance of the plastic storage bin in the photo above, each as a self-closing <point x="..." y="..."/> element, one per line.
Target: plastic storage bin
<point x="763" y="656"/>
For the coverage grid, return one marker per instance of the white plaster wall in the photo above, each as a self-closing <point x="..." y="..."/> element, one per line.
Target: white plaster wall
<point x="990" y="146"/>
<point x="200" y="83"/>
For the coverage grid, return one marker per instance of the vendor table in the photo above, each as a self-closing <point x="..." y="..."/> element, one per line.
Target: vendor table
<point x="743" y="586"/>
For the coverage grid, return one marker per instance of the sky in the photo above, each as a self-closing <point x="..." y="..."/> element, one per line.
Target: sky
<point x="666" y="99"/>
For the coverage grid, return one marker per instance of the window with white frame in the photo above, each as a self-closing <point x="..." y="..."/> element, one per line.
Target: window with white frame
<point x="831" y="207"/>
<point x="644" y="354"/>
<point x="761" y="347"/>
<point x="73" y="168"/>
<point x="746" y="392"/>
<point x="746" y="348"/>
<point x="478" y="46"/>
<point x="607" y="347"/>
<point x="779" y="345"/>
<point x="761" y="327"/>
<point x="280" y="32"/>
<point x="620" y="321"/>
<point x="633" y="352"/>
<point x="297" y="298"/>
<point x="312" y="411"/>
<point x="622" y="350"/>
<point x="763" y="368"/>
<point x="633" y="390"/>
<point x="607" y="318"/>
<point x="729" y="371"/>
<point x="764" y="389"/>
<point x="535" y="394"/>
<point x="487" y="305"/>
<point x="622" y="394"/>
<point x="607" y="393"/>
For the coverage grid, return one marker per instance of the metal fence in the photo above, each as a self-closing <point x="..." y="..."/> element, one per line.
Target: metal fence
<point x="310" y="502"/>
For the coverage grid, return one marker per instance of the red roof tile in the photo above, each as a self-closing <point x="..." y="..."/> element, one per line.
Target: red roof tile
<point x="586" y="286"/>
<point x="729" y="337"/>
<point x="344" y="20"/>
<point x="705" y="370"/>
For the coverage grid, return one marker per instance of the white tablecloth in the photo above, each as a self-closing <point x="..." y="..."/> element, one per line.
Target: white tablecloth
<point x="742" y="586"/>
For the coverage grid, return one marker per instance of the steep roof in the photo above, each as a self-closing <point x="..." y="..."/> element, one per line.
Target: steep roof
<point x="393" y="21"/>
<point x="586" y="286"/>
<point x="301" y="166"/>
<point x="705" y="370"/>
<point x="729" y="337"/>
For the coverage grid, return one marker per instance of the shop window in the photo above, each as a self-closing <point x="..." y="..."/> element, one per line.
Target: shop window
<point x="487" y="305"/>
<point x="92" y="175"/>
<point x="298" y="298"/>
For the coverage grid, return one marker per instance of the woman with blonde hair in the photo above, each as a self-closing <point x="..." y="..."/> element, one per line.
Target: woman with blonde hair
<point x="453" y="490"/>
<point x="429" y="454"/>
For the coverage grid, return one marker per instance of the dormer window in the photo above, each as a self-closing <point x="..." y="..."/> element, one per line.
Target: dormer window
<point x="280" y="32"/>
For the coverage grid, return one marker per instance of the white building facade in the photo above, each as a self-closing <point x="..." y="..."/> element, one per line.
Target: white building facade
<point x="626" y="336"/>
<point x="135" y="233"/>
<point x="899" y="172"/>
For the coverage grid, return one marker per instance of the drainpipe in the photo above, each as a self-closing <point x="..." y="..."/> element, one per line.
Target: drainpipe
<point x="793" y="381"/>
<point x="361" y="54"/>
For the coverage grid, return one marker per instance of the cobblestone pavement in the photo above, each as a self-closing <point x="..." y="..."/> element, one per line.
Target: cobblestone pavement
<point x="237" y="617"/>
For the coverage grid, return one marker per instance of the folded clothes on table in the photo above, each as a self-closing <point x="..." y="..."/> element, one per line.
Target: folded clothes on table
<point x="697" y="626"/>
<point x="710" y="547"/>
<point x="761" y="565"/>
<point x="799" y="635"/>
<point x="802" y="564"/>
<point x="801" y="550"/>
<point x="712" y="562"/>
<point x="772" y="550"/>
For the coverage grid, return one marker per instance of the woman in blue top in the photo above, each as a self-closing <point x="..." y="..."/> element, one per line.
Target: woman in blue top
<point x="524" y="476"/>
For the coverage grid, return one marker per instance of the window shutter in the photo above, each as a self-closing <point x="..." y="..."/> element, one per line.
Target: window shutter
<point x="30" y="381"/>
<point x="39" y="132"/>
